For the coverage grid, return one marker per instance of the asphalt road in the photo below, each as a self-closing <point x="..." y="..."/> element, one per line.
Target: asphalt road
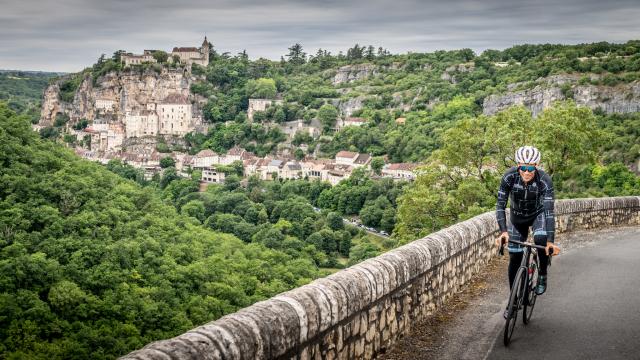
<point x="591" y="309"/>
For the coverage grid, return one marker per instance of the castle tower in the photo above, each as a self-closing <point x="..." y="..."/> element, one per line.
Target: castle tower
<point x="205" y="50"/>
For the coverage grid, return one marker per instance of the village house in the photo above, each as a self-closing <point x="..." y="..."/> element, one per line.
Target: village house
<point x="174" y="115"/>
<point x="105" y="104"/>
<point x="400" y="171"/>
<point x="212" y="176"/>
<point x="143" y="123"/>
<point x="352" y="159"/>
<point x="105" y="136"/>
<point x="134" y="59"/>
<point x="350" y="121"/>
<point x="291" y="170"/>
<point x="260" y="105"/>
<point x="290" y="128"/>
<point x="401" y="121"/>
<point x="205" y="158"/>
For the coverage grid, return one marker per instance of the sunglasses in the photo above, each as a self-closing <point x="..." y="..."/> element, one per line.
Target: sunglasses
<point x="529" y="168"/>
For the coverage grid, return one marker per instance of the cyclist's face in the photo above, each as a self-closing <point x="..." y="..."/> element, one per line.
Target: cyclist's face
<point x="526" y="175"/>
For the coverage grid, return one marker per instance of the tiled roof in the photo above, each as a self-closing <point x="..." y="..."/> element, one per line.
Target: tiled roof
<point x="346" y="154"/>
<point x="186" y="49"/>
<point x="401" y="166"/>
<point x="363" y="159"/>
<point x="235" y="151"/>
<point x="175" y="98"/>
<point x="206" y="153"/>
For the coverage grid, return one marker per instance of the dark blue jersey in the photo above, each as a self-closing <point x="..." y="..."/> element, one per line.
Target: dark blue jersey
<point x="526" y="200"/>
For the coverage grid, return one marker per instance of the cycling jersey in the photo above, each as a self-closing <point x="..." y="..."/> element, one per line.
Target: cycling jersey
<point x="527" y="201"/>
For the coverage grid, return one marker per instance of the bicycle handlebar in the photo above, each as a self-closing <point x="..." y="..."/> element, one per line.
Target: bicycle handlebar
<point x="501" y="251"/>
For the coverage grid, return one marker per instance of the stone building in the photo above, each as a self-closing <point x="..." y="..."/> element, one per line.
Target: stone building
<point x="400" y="171"/>
<point x="350" y="121"/>
<point x="134" y="59"/>
<point x="144" y="123"/>
<point x="192" y="55"/>
<point x="187" y="55"/>
<point x="174" y="115"/>
<point x="352" y="159"/>
<point x="105" y="104"/>
<point x="260" y="105"/>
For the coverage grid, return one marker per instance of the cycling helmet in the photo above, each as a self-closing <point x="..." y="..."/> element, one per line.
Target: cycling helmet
<point x="527" y="155"/>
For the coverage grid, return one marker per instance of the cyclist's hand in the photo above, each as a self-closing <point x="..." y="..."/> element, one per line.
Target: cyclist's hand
<point x="502" y="239"/>
<point x="549" y="249"/>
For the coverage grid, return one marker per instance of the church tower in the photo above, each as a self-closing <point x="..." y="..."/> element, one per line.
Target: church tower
<point x="205" y="50"/>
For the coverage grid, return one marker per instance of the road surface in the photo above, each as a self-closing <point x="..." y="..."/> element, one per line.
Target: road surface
<point x="592" y="307"/>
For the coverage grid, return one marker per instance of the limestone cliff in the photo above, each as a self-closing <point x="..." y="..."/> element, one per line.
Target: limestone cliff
<point x="622" y="98"/>
<point x="351" y="73"/>
<point x="112" y="96"/>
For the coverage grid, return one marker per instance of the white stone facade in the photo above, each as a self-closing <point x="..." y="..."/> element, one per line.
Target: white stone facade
<point x="260" y="105"/>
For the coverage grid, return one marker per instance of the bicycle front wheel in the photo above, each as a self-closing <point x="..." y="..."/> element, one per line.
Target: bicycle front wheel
<point x="515" y="299"/>
<point x="530" y="294"/>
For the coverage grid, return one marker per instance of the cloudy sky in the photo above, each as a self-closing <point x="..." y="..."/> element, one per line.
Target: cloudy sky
<point x="68" y="35"/>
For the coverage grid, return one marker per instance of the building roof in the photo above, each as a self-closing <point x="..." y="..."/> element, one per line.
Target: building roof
<point x="185" y="49"/>
<point x="401" y="120"/>
<point x="401" y="166"/>
<point x="206" y="153"/>
<point x="346" y="154"/>
<point x="355" y="120"/>
<point x="363" y="159"/>
<point x="236" y="151"/>
<point x="247" y="155"/>
<point x="294" y="166"/>
<point x="175" y="98"/>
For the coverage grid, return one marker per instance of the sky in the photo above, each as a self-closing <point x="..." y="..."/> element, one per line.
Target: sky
<point x="68" y="35"/>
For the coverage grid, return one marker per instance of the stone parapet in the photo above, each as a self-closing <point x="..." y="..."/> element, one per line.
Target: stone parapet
<point x="358" y="312"/>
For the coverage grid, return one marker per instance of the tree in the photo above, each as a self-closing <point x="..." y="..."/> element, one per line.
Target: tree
<point x="262" y="88"/>
<point x="160" y="56"/>
<point x="334" y="220"/>
<point x="167" y="162"/>
<point x="327" y="114"/>
<point x="296" y="56"/>
<point x="376" y="164"/>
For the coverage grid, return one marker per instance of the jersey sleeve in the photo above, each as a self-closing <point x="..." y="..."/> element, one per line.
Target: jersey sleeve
<point x="548" y="203"/>
<point x="503" y="196"/>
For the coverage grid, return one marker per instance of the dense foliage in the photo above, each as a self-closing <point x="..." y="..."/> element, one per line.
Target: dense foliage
<point x="461" y="178"/>
<point x="93" y="266"/>
<point x="22" y="91"/>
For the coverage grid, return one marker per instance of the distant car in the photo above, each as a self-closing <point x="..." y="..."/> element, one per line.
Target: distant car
<point x="384" y="233"/>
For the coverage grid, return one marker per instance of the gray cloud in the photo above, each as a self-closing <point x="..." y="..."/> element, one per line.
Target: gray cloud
<point x="67" y="35"/>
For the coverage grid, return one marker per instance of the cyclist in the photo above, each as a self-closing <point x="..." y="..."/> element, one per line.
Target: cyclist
<point x="531" y="192"/>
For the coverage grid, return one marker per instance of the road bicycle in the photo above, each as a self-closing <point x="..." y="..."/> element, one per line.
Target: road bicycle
<point x="523" y="291"/>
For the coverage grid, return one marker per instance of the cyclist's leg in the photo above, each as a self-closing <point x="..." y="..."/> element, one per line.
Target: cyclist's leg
<point x="540" y="238"/>
<point x="518" y="233"/>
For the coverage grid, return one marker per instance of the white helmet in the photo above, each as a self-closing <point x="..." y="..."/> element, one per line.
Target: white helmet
<point x="528" y="155"/>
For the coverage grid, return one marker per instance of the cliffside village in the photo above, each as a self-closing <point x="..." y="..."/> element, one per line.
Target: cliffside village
<point x="173" y="114"/>
<point x="174" y="117"/>
<point x="266" y="168"/>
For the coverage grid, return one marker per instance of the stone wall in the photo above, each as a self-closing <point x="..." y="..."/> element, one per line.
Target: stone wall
<point x="358" y="312"/>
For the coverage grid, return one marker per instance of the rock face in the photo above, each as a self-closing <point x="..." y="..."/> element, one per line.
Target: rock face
<point x="125" y="92"/>
<point x="351" y="73"/>
<point x="349" y="106"/>
<point x="622" y="98"/>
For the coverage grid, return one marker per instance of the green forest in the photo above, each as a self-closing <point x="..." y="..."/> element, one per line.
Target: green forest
<point x="22" y="91"/>
<point x="96" y="261"/>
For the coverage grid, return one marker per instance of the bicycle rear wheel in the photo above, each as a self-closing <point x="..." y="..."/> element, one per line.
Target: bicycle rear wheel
<point x="530" y="294"/>
<point x="515" y="299"/>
